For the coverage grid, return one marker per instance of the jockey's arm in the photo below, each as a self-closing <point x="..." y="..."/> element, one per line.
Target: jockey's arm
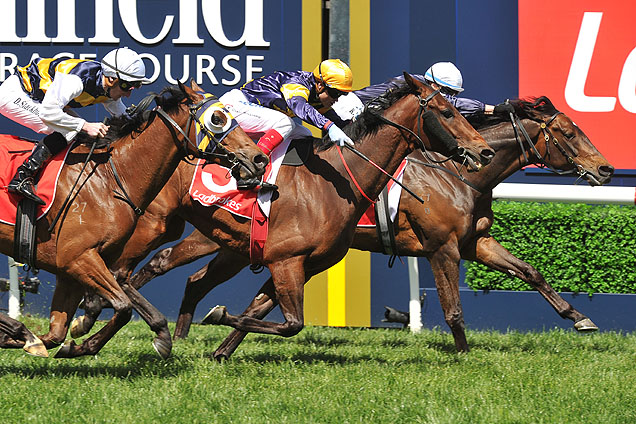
<point x="62" y="90"/>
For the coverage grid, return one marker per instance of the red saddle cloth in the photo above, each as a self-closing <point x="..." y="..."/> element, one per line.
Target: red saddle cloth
<point x="213" y="185"/>
<point x="13" y="152"/>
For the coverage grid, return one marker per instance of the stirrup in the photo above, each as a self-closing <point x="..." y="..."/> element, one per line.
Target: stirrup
<point x="25" y="189"/>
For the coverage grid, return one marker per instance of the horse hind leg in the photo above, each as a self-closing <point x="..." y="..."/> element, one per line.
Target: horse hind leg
<point x="220" y="269"/>
<point x="289" y="279"/>
<point x="260" y="306"/>
<point x="487" y="251"/>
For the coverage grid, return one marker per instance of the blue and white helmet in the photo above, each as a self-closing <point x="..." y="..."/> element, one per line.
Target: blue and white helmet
<point x="125" y="64"/>
<point x="445" y="74"/>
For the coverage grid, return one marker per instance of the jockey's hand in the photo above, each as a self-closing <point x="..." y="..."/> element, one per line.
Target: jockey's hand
<point x="95" y="129"/>
<point x="338" y="136"/>
<point x="503" y="109"/>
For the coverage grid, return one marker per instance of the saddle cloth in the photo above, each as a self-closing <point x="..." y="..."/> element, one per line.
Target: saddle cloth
<point x="13" y="151"/>
<point x="213" y="185"/>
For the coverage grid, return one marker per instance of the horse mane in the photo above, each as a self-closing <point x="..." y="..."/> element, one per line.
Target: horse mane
<point x="122" y="125"/>
<point x="368" y="121"/>
<point x="525" y="109"/>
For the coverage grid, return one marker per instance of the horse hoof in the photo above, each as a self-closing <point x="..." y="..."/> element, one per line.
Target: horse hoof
<point x="78" y="327"/>
<point x="65" y="350"/>
<point x="215" y="315"/>
<point x="162" y="347"/>
<point x="585" y="326"/>
<point x="35" y="347"/>
<point x="220" y="357"/>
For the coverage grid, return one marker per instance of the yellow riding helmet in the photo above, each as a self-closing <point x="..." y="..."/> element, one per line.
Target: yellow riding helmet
<point x="334" y="73"/>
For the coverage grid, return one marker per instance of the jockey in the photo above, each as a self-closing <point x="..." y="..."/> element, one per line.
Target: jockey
<point x="442" y="76"/>
<point x="40" y="96"/>
<point x="267" y="105"/>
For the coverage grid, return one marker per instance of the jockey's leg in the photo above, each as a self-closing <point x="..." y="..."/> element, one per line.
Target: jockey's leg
<point x="26" y="175"/>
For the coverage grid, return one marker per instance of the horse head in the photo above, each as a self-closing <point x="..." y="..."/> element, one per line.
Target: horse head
<point x="216" y="128"/>
<point x="447" y="131"/>
<point x="562" y="144"/>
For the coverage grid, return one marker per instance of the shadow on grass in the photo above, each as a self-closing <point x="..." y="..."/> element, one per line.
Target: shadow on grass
<point x="130" y="367"/>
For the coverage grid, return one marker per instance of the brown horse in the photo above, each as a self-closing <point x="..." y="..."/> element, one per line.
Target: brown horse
<point x="95" y="224"/>
<point x="454" y="223"/>
<point x="319" y="193"/>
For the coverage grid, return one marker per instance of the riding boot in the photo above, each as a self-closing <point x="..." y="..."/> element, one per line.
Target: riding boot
<point x="267" y="144"/>
<point x="24" y="178"/>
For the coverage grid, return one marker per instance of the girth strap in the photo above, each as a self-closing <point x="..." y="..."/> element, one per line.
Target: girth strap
<point x="384" y="225"/>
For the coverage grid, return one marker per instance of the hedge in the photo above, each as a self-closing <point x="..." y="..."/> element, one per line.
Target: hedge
<point x="576" y="247"/>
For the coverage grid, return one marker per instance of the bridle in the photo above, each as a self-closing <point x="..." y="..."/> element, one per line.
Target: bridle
<point x="196" y="112"/>
<point x="549" y="139"/>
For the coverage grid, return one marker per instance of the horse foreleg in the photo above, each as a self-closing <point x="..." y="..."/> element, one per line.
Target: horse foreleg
<point x="19" y="336"/>
<point x="487" y="251"/>
<point x="220" y="269"/>
<point x="289" y="279"/>
<point x="89" y="270"/>
<point x="66" y="297"/>
<point x="155" y="319"/>
<point x="445" y="265"/>
<point x="260" y="306"/>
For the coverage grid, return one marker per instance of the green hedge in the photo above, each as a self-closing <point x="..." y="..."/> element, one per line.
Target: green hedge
<point x="576" y="247"/>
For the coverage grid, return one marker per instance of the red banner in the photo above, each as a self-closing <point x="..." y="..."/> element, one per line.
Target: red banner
<point x="582" y="55"/>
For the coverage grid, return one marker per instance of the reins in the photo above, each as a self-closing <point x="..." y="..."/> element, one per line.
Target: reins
<point x="423" y="103"/>
<point x="174" y="126"/>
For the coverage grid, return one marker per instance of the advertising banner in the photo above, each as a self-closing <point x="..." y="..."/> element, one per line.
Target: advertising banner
<point x="582" y="55"/>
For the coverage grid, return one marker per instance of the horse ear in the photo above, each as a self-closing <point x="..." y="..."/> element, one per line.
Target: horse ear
<point x="182" y="87"/>
<point x="409" y="80"/>
<point x="194" y="86"/>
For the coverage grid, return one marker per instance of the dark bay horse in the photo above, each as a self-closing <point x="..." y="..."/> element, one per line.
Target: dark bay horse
<point x="454" y="223"/>
<point x="95" y="225"/>
<point x="319" y="194"/>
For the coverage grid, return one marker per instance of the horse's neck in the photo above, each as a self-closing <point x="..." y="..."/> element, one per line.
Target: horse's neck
<point x="146" y="162"/>
<point x="508" y="157"/>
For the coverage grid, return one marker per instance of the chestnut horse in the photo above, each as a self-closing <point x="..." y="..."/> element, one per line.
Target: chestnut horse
<point x="319" y="193"/>
<point x="454" y="223"/>
<point x="95" y="225"/>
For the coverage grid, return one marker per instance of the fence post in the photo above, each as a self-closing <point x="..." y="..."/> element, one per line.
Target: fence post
<point x="14" y="289"/>
<point x="415" y="307"/>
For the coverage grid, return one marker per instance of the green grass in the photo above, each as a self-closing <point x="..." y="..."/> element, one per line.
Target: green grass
<point x="327" y="375"/>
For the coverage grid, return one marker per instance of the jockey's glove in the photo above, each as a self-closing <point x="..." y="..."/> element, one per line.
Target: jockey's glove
<point x="503" y="109"/>
<point x="338" y="136"/>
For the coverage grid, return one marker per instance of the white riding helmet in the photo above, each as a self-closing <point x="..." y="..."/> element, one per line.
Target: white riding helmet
<point x="445" y="74"/>
<point x="124" y="64"/>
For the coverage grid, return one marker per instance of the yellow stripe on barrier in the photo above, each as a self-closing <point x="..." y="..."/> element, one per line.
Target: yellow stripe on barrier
<point x="311" y="42"/>
<point x="360" y="42"/>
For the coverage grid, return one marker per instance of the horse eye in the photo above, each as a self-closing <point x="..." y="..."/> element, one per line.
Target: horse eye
<point x="447" y="113"/>
<point x="218" y="119"/>
<point x="568" y="135"/>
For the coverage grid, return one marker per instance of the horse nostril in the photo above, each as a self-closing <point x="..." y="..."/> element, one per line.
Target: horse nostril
<point x="486" y="156"/>
<point x="261" y="159"/>
<point x="606" y="170"/>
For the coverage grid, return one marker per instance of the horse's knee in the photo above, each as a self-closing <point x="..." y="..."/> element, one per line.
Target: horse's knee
<point x="455" y="319"/>
<point x="292" y="327"/>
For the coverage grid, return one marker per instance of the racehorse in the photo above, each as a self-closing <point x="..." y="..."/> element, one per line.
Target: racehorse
<point x="321" y="193"/>
<point x="454" y="223"/>
<point x="143" y="153"/>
